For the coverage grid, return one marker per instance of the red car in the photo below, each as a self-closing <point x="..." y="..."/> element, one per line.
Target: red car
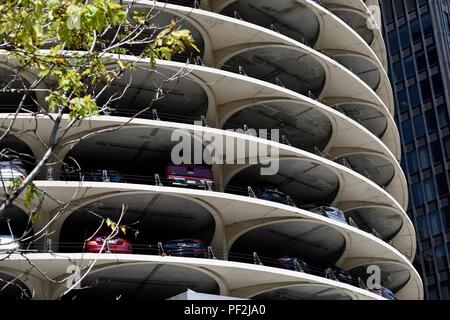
<point x="190" y="176"/>
<point x="116" y="244"/>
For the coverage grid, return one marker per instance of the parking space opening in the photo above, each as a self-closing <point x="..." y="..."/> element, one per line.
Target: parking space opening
<point x="306" y="183"/>
<point x="367" y="116"/>
<point x="10" y="101"/>
<point x="304" y="292"/>
<point x="156" y="94"/>
<point x="286" y="67"/>
<point x="14" y="221"/>
<point x="160" y="20"/>
<point x="393" y="276"/>
<point x="282" y="16"/>
<point x="148" y="219"/>
<point x="15" y="157"/>
<point x="302" y="126"/>
<point x="133" y="155"/>
<point x="363" y="68"/>
<point x="383" y="222"/>
<point x="12" y="289"/>
<point x="357" y="22"/>
<point x="318" y="246"/>
<point x="378" y="169"/>
<point x="142" y="282"/>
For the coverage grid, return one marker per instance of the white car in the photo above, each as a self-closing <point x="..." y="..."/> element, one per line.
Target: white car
<point x="11" y="170"/>
<point x="8" y="243"/>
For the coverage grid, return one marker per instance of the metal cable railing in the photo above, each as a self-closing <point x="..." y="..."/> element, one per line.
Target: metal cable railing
<point x="159" y="249"/>
<point x="204" y="184"/>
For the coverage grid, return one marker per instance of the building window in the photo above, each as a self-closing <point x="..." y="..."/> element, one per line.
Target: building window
<point x="447" y="147"/>
<point x="425" y="89"/>
<point x="441" y="260"/>
<point x="432" y="56"/>
<point x="407" y="131"/>
<point x="430" y="190"/>
<point x="442" y="185"/>
<point x="419" y="125"/>
<point x="435" y="221"/>
<point x="424" y="158"/>
<point x="414" y="96"/>
<point x="416" y="31"/>
<point x="432" y="292"/>
<point x="431" y="120"/>
<point x="421" y="61"/>
<point x="398" y="71"/>
<point x="410" y="68"/>
<point x="393" y="42"/>
<point x="428" y="261"/>
<point x="438" y="86"/>
<point x="436" y="152"/>
<point x="413" y="166"/>
<point x="405" y="40"/>
<point x="442" y="116"/>
<point x="422" y="224"/>
<point x="427" y="26"/>
<point x="417" y="194"/>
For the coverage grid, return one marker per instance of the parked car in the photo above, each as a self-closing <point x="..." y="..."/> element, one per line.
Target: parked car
<point x="11" y="169"/>
<point x="190" y="176"/>
<point x="332" y="213"/>
<point x="103" y="175"/>
<point x="288" y="262"/>
<point x="117" y="244"/>
<point x="385" y="293"/>
<point x="340" y="274"/>
<point x="270" y="193"/>
<point x="185" y="248"/>
<point x="9" y="243"/>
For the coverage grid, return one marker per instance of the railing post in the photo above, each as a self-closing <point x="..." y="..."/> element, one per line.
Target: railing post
<point x="158" y="180"/>
<point x="161" y="250"/>
<point x="211" y="253"/>
<point x="291" y="202"/>
<point x="155" y="115"/>
<point x="297" y="266"/>
<point x="256" y="259"/>
<point x="251" y="194"/>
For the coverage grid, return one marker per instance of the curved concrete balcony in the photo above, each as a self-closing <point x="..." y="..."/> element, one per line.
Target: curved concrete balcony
<point x="231" y="223"/>
<point x="354" y="158"/>
<point x="356" y="13"/>
<point x="137" y="277"/>
<point x="205" y="92"/>
<point x="316" y="179"/>
<point x="220" y="36"/>
<point x="323" y="31"/>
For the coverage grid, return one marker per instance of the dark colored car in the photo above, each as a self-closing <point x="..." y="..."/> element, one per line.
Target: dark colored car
<point x="190" y="176"/>
<point x="185" y="248"/>
<point x="332" y="213"/>
<point x="290" y="263"/>
<point x="116" y="244"/>
<point x="103" y="175"/>
<point x="271" y="193"/>
<point x="340" y="274"/>
<point x="385" y="293"/>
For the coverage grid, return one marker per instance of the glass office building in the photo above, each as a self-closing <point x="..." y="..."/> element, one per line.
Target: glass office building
<point x="417" y="34"/>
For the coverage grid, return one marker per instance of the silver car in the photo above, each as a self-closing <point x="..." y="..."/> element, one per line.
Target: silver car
<point x="9" y="243"/>
<point x="11" y="169"/>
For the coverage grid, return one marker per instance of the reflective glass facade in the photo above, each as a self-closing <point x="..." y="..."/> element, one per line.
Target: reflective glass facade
<point x="417" y="34"/>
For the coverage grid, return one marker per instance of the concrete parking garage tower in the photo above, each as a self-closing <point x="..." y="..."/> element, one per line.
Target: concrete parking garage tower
<point x="311" y="69"/>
